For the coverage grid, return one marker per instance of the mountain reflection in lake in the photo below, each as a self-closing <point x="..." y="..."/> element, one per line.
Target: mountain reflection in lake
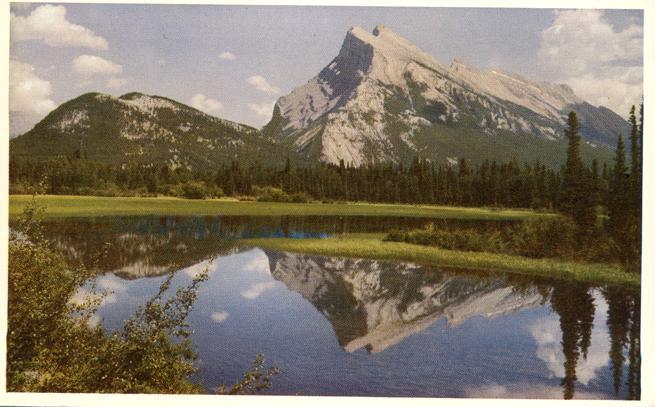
<point x="338" y="326"/>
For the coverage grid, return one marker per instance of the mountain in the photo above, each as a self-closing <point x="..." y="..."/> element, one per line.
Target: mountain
<point x="382" y="99"/>
<point x="143" y="129"/>
<point x="375" y="304"/>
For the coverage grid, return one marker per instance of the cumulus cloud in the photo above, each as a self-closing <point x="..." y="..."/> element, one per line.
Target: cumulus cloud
<point x="220" y="316"/>
<point x="27" y="92"/>
<point x="48" y="23"/>
<point x="602" y="64"/>
<point x="256" y="290"/>
<point x="227" y="55"/>
<point x="205" y="104"/>
<point x="94" y="65"/>
<point x="261" y="84"/>
<point x="263" y="110"/>
<point x="256" y="261"/>
<point x="548" y="336"/>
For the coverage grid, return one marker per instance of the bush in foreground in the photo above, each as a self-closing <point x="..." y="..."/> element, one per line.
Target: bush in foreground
<point x="53" y="346"/>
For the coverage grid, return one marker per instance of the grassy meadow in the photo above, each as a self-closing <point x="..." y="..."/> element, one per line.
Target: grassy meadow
<point x="58" y="206"/>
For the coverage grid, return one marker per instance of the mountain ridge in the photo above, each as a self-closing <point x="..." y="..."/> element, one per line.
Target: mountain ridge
<point x="381" y="95"/>
<point x="141" y="128"/>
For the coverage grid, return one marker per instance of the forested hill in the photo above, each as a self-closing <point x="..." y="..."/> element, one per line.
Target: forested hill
<point x="141" y="129"/>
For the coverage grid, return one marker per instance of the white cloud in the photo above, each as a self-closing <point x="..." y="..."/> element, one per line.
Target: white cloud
<point x="602" y="65"/>
<point x="116" y="82"/>
<point x="220" y="316"/>
<point x="28" y="93"/>
<point x="256" y="261"/>
<point x="207" y="105"/>
<point x="256" y="290"/>
<point x="548" y="336"/>
<point x="48" y="23"/>
<point x="94" y="65"/>
<point x="260" y="83"/>
<point x="227" y="55"/>
<point x="264" y="110"/>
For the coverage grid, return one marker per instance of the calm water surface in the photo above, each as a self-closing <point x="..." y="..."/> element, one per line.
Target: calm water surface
<point x="338" y="326"/>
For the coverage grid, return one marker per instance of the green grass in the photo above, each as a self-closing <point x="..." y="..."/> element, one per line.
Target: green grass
<point x="58" y="206"/>
<point x="372" y="247"/>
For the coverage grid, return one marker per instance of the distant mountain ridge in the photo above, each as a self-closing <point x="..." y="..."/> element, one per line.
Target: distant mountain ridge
<point x="143" y="129"/>
<point x="382" y="99"/>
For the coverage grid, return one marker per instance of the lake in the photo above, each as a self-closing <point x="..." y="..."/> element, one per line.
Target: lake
<point x="356" y="327"/>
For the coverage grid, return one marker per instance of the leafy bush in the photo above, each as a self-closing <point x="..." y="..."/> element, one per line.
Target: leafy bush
<point x="53" y="347"/>
<point x="546" y="237"/>
<point x="457" y="239"/>
<point x="300" y="197"/>
<point x="557" y="237"/>
<point x="194" y="190"/>
<point x="270" y="194"/>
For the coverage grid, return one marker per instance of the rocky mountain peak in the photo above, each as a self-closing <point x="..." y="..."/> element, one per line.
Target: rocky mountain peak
<point x="383" y="99"/>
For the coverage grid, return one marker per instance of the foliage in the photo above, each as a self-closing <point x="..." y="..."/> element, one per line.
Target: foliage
<point x="544" y="237"/>
<point x="53" y="344"/>
<point x="452" y="239"/>
<point x="254" y="380"/>
<point x="576" y="199"/>
<point x="490" y="183"/>
<point x="553" y="237"/>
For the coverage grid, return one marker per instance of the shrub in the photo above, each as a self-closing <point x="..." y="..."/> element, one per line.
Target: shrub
<point x="270" y="194"/>
<point x="300" y="197"/>
<point x="194" y="190"/>
<point x="51" y="346"/>
<point x="538" y="237"/>
<point x="456" y="239"/>
<point x="546" y="237"/>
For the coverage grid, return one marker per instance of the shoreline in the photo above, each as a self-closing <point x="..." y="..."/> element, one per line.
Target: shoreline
<point x="373" y="247"/>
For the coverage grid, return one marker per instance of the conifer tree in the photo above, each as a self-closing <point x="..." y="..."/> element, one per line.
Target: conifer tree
<point x="617" y="204"/>
<point x="576" y="199"/>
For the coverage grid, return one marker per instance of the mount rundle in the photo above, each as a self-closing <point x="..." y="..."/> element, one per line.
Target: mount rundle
<point x="380" y="100"/>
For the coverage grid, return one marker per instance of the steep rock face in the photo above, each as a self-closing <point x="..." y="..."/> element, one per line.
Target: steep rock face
<point x="140" y="128"/>
<point x="382" y="99"/>
<point x="374" y="304"/>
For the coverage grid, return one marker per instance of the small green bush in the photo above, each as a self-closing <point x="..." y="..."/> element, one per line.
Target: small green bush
<point x="457" y="239"/>
<point x="556" y="237"/>
<point x="546" y="237"/>
<point x="194" y="190"/>
<point x="273" y="194"/>
<point x="300" y="197"/>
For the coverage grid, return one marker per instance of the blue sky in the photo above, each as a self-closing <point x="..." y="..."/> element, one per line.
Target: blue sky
<point x="235" y="61"/>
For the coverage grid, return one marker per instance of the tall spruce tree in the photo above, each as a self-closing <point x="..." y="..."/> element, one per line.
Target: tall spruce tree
<point x="576" y="199"/>
<point x="617" y="204"/>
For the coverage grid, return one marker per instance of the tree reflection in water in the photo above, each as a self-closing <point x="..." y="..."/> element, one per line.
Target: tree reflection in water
<point x="575" y="306"/>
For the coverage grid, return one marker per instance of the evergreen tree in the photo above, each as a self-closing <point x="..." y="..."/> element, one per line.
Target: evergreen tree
<point x="576" y="199"/>
<point x="617" y="204"/>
